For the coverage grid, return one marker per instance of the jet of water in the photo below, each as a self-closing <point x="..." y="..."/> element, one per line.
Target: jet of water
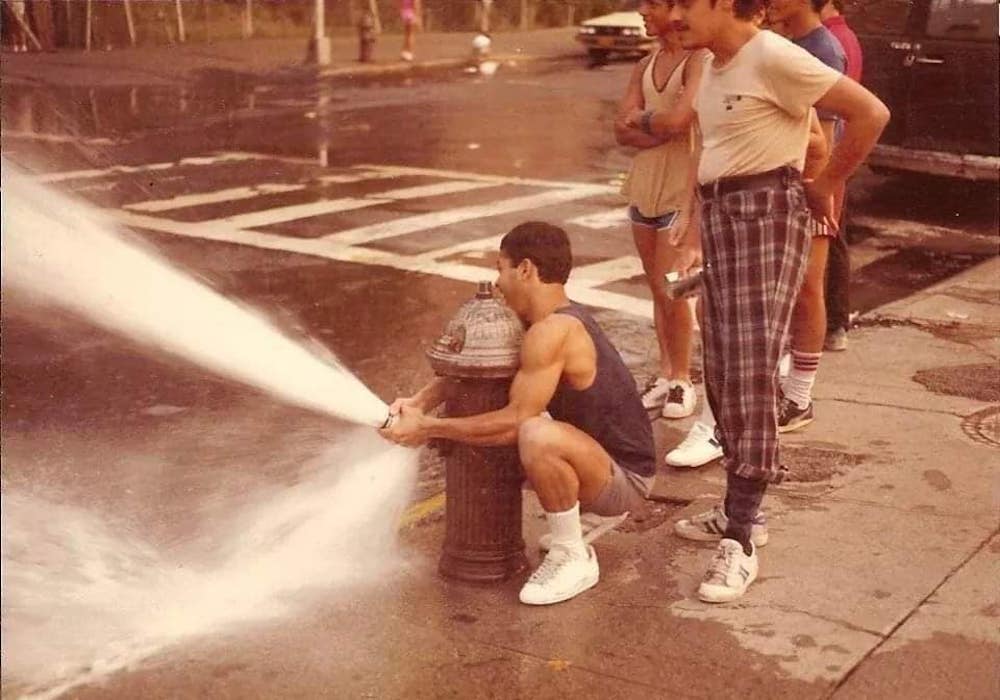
<point x="63" y="252"/>
<point x="85" y="597"/>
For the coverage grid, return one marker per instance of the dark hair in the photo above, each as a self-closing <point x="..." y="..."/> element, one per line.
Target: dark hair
<point x="746" y="9"/>
<point x="545" y="245"/>
<point x="818" y="5"/>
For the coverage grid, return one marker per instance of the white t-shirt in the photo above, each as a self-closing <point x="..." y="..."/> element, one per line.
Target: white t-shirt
<point x="754" y="111"/>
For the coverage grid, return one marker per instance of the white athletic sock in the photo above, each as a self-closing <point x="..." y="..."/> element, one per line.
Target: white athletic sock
<point x="798" y="385"/>
<point x="566" y="530"/>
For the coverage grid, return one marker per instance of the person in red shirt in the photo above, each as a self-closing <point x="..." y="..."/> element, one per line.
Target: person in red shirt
<point x="834" y="21"/>
<point x="838" y="262"/>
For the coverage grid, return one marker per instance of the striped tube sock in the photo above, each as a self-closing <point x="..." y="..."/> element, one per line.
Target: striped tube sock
<point x="798" y="385"/>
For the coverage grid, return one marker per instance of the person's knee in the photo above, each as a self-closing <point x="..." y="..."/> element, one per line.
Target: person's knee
<point x="534" y="440"/>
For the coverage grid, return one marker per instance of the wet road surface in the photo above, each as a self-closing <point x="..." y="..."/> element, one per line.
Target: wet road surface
<point x="355" y="214"/>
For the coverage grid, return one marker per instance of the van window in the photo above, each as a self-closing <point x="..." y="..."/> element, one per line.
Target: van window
<point x="964" y="19"/>
<point x="885" y="17"/>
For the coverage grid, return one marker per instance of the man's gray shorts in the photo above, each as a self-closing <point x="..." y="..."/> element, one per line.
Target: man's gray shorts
<point x="624" y="492"/>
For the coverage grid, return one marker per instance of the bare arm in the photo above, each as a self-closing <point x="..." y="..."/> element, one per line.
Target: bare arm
<point x="677" y="120"/>
<point x="817" y="149"/>
<point x="865" y="117"/>
<point x="427" y="399"/>
<point x="625" y="133"/>
<point x="542" y="361"/>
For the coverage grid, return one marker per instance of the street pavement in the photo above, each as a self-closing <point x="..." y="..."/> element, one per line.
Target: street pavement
<point x="880" y="580"/>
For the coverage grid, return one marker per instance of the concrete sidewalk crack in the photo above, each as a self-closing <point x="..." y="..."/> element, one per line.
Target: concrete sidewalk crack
<point x="894" y="406"/>
<point x="885" y="638"/>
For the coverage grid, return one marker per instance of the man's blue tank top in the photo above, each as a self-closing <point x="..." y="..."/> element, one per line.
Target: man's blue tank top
<point x="610" y="410"/>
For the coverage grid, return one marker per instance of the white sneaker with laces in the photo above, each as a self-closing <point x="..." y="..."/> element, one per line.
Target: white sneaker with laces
<point x="711" y="525"/>
<point x="680" y="400"/>
<point x="729" y="574"/>
<point x="562" y="575"/>
<point x="655" y="393"/>
<point x="593" y="526"/>
<point x="698" y="448"/>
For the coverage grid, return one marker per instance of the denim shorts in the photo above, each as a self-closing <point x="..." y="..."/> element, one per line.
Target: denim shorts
<point x="660" y="223"/>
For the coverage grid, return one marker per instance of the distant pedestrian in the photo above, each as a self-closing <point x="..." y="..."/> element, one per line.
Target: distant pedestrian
<point x="754" y="110"/>
<point x="838" y="265"/>
<point x="801" y="23"/>
<point x="656" y="116"/>
<point x="409" y="14"/>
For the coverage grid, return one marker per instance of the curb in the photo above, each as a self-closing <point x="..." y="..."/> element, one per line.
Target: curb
<point x="400" y="67"/>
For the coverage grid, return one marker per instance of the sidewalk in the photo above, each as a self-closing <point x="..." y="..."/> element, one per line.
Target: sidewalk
<point x="880" y="580"/>
<point x="175" y="64"/>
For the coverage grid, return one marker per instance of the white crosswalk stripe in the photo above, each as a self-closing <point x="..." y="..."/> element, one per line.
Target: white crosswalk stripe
<point x="455" y="259"/>
<point x="231" y="194"/>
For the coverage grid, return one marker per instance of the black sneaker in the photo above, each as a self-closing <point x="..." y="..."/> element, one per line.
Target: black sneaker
<point x="791" y="417"/>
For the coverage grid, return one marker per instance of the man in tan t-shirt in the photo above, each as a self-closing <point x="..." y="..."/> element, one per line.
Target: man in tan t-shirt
<point x="754" y="107"/>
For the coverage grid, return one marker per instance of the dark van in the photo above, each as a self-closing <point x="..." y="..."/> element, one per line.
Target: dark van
<point x="936" y="64"/>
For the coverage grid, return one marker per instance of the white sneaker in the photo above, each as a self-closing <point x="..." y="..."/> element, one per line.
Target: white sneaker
<point x="680" y="400"/>
<point x="655" y="393"/>
<point x="561" y="575"/>
<point x="593" y="526"/>
<point x="406" y="55"/>
<point x="711" y="525"/>
<point x="729" y="574"/>
<point x="698" y="448"/>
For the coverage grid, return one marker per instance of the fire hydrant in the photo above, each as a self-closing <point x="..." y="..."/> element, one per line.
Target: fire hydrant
<point x="479" y="350"/>
<point x="366" y="38"/>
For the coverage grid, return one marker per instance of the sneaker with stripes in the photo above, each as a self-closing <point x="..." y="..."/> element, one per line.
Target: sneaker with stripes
<point x="711" y="526"/>
<point x="729" y="574"/>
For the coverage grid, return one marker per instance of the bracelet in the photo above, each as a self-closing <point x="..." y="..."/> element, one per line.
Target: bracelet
<point x="644" y="122"/>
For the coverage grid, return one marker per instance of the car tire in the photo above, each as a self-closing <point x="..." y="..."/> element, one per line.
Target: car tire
<point x="598" y="57"/>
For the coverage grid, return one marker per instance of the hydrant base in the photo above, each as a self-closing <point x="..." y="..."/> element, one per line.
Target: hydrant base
<point x="481" y="570"/>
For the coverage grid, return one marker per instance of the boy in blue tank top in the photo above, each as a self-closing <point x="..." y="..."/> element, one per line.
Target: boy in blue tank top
<point x="594" y="448"/>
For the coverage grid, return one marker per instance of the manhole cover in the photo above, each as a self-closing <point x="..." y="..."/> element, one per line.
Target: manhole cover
<point x="980" y="382"/>
<point x="984" y="426"/>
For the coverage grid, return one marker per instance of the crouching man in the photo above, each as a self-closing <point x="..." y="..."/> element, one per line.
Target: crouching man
<point x="594" y="453"/>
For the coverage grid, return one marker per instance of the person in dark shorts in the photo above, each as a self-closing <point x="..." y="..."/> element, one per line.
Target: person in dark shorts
<point x="574" y="412"/>
<point x="800" y="20"/>
<point x="754" y="110"/>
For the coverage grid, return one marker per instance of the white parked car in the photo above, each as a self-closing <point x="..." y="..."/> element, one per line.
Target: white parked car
<point x="617" y="33"/>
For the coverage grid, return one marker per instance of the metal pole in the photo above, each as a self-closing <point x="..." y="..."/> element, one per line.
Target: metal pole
<point x="181" y="36"/>
<point x="89" y="25"/>
<point x="319" y="45"/>
<point x="128" y="19"/>
<point x="248" y="20"/>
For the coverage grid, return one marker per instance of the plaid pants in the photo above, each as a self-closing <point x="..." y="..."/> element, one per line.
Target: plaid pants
<point x="756" y="248"/>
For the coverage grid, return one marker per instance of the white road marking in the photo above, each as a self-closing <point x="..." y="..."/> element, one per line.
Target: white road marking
<point x="601" y="220"/>
<point x="332" y="250"/>
<point x="500" y="179"/>
<point x="422" y="222"/>
<point x="57" y="138"/>
<point x="228" y="195"/>
<point x="356" y="176"/>
<point x="126" y="169"/>
<point x="434" y="189"/>
<point x="606" y="271"/>
<point x="267" y="217"/>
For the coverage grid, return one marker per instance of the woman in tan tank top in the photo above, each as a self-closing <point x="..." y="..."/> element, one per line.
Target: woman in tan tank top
<point x="656" y="116"/>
